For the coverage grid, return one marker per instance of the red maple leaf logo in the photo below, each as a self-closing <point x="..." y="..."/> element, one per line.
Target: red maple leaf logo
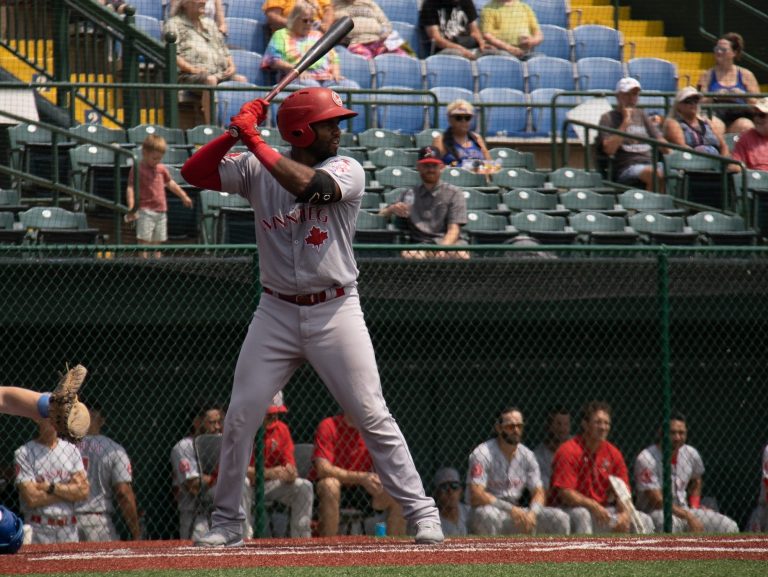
<point x="316" y="237"/>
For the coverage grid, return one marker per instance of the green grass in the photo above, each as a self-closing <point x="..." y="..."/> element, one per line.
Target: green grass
<point x="618" y="569"/>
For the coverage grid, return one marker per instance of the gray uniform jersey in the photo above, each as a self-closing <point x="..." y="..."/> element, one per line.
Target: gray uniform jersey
<point x="648" y="473"/>
<point x="505" y="479"/>
<point x="184" y="466"/>
<point x="107" y="464"/>
<point x="764" y="478"/>
<point x="285" y="227"/>
<point x="544" y="457"/>
<point x="36" y="462"/>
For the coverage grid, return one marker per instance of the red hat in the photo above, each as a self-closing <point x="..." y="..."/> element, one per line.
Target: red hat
<point x="429" y="155"/>
<point x="277" y="405"/>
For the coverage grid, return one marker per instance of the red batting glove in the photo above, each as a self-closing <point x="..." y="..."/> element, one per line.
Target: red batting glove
<point x="250" y="116"/>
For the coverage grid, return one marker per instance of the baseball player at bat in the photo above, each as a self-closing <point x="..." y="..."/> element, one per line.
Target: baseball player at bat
<point x="305" y="204"/>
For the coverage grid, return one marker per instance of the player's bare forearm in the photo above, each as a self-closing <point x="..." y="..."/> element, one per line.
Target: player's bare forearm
<point x="478" y="496"/>
<point x="126" y="500"/>
<point x="325" y="468"/>
<point x="20" y="402"/>
<point x="572" y="498"/>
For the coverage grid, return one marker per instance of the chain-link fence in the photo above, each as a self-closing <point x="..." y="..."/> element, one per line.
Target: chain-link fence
<point x="455" y="342"/>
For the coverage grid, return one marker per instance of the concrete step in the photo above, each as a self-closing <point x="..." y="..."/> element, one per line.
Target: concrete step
<point x="651" y="46"/>
<point x="641" y="27"/>
<point x="597" y="15"/>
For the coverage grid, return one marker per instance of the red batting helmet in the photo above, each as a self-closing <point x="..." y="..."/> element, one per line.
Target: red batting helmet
<point x="304" y="107"/>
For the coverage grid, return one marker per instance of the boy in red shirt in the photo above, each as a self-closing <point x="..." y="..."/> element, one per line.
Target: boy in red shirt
<point x="154" y="178"/>
<point x="580" y="470"/>
<point x="341" y="461"/>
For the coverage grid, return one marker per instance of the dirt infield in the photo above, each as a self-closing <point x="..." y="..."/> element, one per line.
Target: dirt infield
<point x="366" y="551"/>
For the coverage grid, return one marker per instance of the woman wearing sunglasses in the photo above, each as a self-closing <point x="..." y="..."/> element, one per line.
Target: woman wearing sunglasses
<point x="458" y="144"/>
<point x="686" y="127"/>
<point x="727" y="78"/>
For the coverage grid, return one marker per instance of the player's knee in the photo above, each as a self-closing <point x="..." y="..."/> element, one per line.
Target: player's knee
<point x="581" y="520"/>
<point x="329" y="490"/>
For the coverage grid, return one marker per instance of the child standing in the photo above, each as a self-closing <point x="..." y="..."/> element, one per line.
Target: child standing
<point x="152" y="216"/>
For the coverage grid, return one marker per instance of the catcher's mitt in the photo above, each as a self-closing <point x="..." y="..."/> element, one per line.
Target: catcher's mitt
<point x="68" y="415"/>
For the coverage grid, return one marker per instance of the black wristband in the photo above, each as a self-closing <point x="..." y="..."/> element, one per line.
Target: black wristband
<point x="51" y="488"/>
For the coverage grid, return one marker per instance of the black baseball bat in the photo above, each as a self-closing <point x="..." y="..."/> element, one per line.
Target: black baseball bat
<point x="338" y="30"/>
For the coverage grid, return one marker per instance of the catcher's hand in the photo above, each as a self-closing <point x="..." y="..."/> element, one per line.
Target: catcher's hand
<point x="68" y="415"/>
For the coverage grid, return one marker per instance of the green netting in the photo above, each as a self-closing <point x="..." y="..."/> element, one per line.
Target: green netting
<point x="455" y="342"/>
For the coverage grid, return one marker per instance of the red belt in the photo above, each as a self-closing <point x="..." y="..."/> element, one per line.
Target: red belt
<point x="308" y="300"/>
<point x="54" y="521"/>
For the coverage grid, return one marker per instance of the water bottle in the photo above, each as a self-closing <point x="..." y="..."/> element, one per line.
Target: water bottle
<point x="408" y="198"/>
<point x="381" y="529"/>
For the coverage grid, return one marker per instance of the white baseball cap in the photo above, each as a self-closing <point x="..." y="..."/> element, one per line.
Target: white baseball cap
<point x="761" y="105"/>
<point x="627" y="84"/>
<point x="446" y="475"/>
<point x="685" y="93"/>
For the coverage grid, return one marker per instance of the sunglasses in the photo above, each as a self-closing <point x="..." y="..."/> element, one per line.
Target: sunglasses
<point x="511" y="426"/>
<point x="462" y="117"/>
<point x="720" y="50"/>
<point x="307" y="20"/>
<point x="692" y="100"/>
<point x="452" y="486"/>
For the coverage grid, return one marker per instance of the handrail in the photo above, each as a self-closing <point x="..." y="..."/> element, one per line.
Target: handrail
<point x="706" y="7"/>
<point x="656" y="144"/>
<point x="59" y="187"/>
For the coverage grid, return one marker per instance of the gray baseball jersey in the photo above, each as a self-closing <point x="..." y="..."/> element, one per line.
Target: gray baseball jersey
<point x="544" y="457"/>
<point x="184" y="466"/>
<point x="306" y="249"/>
<point x="303" y="248"/>
<point x="502" y="478"/>
<point x="764" y="478"/>
<point x="648" y="473"/>
<point x="36" y="462"/>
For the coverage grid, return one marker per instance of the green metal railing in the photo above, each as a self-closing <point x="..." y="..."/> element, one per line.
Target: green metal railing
<point x="734" y="8"/>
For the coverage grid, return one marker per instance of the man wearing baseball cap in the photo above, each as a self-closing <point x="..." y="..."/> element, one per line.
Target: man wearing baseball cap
<point x="454" y="515"/>
<point x="631" y="158"/>
<point x="435" y="211"/>
<point x="752" y="146"/>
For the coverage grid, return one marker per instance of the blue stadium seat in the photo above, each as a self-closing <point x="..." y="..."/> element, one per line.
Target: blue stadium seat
<point x="245" y="9"/>
<point x="408" y="119"/>
<point x="498" y="71"/>
<point x="599" y="73"/>
<point x="410" y="33"/>
<point x="654" y="73"/>
<point x="592" y="40"/>
<point x="557" y="42"/>
<point x="355" y="67"/>
<point x="229" y="102"/>
<point x="153" y="8"/>
<point x="542" y="115"/>
<point x="150" y="26"/>
<point x="446" y="95"/>
<point x="246" y="34"/>
<point x="397" y="70"/>
<point x="503" y="120"/>
<point x="400" y="10"/>
<point x="551" y="11"/>
<point x="546" y="72"/>
<point x="249" y="65"/>
<point x="448" y="70"/>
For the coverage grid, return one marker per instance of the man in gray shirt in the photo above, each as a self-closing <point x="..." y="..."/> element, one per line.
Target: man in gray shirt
<point x="435" y="210"/>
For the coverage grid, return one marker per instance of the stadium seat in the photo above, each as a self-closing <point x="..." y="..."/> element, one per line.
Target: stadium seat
<point x="511" y="158"/>
<point x="426" y="137"/>
<point x="478" y="200"/>
<point x="463" y="178"/>
<point x="398" y="176"/>
<point x="567" y="178"/>
<point x="600" y="228"/>
<point x="203" y="134"/>
<point x="546" y="72"/>
<point x="756" y="195"/>
<point x="406" y="118"/>
<point x="687" y="176"/>
<point x="654" y="74"/>
<point x="591" y="40"/>
<point x="174" y="137"/>
<point x="152" y="8"/>
<point x="374" y="138"/>
<point x="372" y="228"/>
<point x="93" y="170"/>
<point x="636" y="200"/>
<point x="229" y="102"/>
<point x="445" y="95"/>
<point x="31" y="150"/>
<point x="10" y="200"/>
<point x="55" y="225"/>
<point x="554" y="12"/>
<point x="249" y="65"/>
<point x="557" y="42"/>
<point x="400" y="10"/>
<point x="9" y="232"/>
<point x="503" y="120"/>
<point x="100" y="133"/>
<point x="387" y="156"/>
<point x="398" y="70"/>
<point x="246" y="34"/>
<point x="245" y="9"/>
<point x="599" y="73"/>
<point x="410" y="33"/>
<point x="521" y="199"/>
<point x="657" y="228"/>
<point x="451" y="71"/>
<point x="211" y="203"/>
<point x="542" y="115"/>
<point x="371" y="201"/>
<point x="582" y="200"/>
<point x="355" y="67"/>
<point x="510" y="178"/>
<point x="485" y="228"/>
<point x="544" y="228"/>
<point x="150" y="26"/>
<point x="496" y="71"/>
<point x="720" y="229"/>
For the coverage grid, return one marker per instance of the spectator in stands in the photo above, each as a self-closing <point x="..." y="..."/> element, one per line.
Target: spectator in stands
<point x="281" y="481"/>
<point x="451" y="26"/>
<point x="372" y="34"/>
<point x="214" y="9"/>
<point x="758" y="521"/>
<point x="50" y="478"/>
<point x="278" y="11"/>
<point x="725" y="77"/>
<point x="752" y="146"/>
<point x="687" y="469"/>
<point x="152" y="214"/>
<point x="580" y="472"/>
<point x="458" y="145"/>
<point x="558" y="432"/>
<point x="345" y="478"/>
<point x="500" y="470"/>
<point x="454" y="514"/>
<point x="631" y="159"/>
<point x="687" y="127"/>
<point x="202" y="56"/>
<point x="110" y="478"/>
<point x="435" y="211"/>
<point x="289" y="44"/>
<point x="511" y="26"/>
